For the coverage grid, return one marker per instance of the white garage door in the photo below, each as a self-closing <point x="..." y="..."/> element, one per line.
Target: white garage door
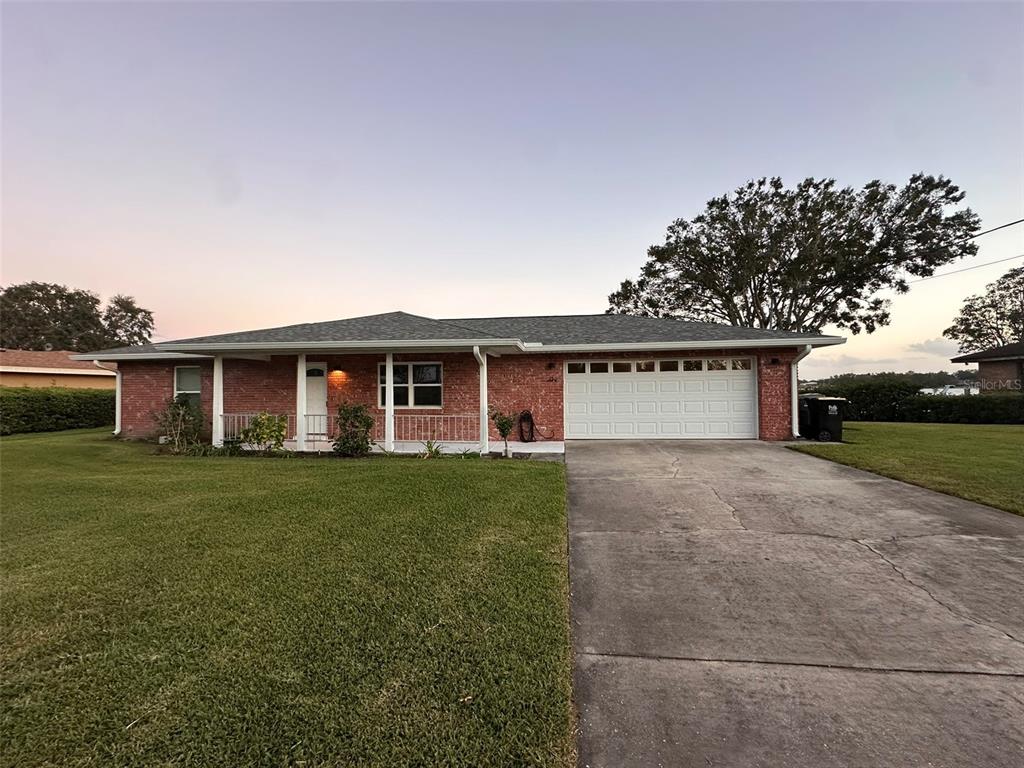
<point x="684" y="398"/>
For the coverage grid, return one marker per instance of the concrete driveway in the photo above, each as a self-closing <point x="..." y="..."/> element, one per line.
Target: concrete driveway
<point x="740" y="604"/>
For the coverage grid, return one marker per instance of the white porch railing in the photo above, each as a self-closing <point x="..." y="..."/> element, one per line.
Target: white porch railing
<point x="234" y="423"/>
<point x="452" y="427"/>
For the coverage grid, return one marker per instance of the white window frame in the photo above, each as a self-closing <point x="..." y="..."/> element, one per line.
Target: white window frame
<point x="178" y="392"/>
<point x="382" y="367"/>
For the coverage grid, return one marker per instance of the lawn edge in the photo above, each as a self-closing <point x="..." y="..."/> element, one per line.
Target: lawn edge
<point x="803" y="449"/>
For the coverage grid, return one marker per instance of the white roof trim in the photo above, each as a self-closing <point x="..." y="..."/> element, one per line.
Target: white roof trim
<point x="61" y="371"/>
<point x="300" y="346"/>
<point x="138" y="356"/>
<point x="654" y="346"/>
<point x="199" y="350"/>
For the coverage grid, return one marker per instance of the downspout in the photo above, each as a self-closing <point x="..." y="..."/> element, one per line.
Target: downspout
<point x="117" y="395"/>
<point x="792" y="388"/>
<point x="481" y="359"/>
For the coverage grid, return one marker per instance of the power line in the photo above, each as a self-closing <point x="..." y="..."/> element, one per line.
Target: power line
<point x="996" y="229"/>
<point x="968" y="269"/>
<point x="976" y="266"/>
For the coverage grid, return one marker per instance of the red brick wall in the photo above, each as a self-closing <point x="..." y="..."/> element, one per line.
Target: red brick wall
<point x="528" y="382"/>
<point x="251" y="386"/>
<point x="774" y="398"/>
<point x="1000" y="376"/>
<point x="147" y="386"/>
<point x="354" y="378"/>
<point x="515" y="382"/>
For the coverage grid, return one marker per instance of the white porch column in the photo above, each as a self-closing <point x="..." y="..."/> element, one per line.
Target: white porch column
<point x="300" y="403"/>
<point x="481" y="358"/>
<point x="389" y="402"/>
<point x="793" y="385"/>
<point x="218" y="400"/>
<point x="117" y="405"/>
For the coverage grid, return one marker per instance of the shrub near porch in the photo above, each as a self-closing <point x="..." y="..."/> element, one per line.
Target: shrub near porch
<point x="170" y="610"/>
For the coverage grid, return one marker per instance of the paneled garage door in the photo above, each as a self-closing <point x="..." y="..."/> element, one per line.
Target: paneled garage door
<point x="668" y="398"/>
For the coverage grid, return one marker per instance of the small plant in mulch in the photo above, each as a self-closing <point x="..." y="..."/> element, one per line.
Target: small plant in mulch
<point x="504" y="423"/>
<point x="431" y="450"/>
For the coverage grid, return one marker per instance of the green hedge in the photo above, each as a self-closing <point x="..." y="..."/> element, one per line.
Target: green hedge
<point x="48" y="409"/>
<point x="975" y="409"/>
<point x="899" y="401"/>
<point x="872" y="400"/>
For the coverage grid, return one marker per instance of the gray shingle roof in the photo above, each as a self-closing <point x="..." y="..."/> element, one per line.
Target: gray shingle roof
<point x="616" y="329"/>
<point x="548" y="330"/>
<point x="390" y="326"/>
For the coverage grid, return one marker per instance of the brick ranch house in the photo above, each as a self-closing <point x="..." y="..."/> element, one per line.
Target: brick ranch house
<point x="580" y="376"/>
<point x="1000" y="369"/>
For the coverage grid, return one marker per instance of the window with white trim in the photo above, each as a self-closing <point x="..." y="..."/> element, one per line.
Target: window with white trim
<point x="417" y="385"/>
<point x="187" y="380"/>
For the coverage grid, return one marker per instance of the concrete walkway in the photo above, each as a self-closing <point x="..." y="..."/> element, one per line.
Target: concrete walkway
<point x="740" y="604"/>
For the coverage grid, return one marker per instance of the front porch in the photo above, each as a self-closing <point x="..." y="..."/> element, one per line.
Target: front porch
<point x="439" y="398"/>
<point x="453" y="433"/>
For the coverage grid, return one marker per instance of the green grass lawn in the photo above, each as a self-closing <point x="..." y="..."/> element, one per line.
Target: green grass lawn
<point x="983" y="463"/>
<point x="159" y="610"/>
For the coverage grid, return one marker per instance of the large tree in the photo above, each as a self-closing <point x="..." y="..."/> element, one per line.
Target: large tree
<point x="49" y="316"/>
<point x="126" y="322"/>
<point x="797" y="259"/>
<point x="993" y="318"/>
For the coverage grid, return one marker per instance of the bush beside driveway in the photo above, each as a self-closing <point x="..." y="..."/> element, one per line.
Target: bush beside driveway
<point x="242" y="611"/>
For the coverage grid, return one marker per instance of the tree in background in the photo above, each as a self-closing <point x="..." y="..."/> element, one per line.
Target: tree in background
<point x="914" y="378"/>
<point x="48" y="316"/>
<point x="803" y="258"/>
<point x="126" y="323"/>
<point x="991" y="319"/>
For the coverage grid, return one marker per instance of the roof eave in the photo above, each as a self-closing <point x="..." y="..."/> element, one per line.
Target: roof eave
<point x="340" y="346"/>
<point x="114" y="357"/>
<point x="57" y="371"/>
<point x="975" y="359"/>
<point x="652" y="346"/>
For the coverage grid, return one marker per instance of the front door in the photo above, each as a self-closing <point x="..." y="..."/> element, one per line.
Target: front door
<point x="316" y="401"/>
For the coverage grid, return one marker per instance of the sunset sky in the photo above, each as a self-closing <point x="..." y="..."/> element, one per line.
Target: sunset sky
<point x="240" y="166"/>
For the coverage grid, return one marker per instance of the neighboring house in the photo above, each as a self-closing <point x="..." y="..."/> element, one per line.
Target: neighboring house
<point x="581" y="377"/>
<point x="23" y="368"/>
<point x="1000" y="369"/>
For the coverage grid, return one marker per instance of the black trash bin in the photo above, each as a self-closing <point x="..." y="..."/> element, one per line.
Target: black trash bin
<point x="821" y="417"/>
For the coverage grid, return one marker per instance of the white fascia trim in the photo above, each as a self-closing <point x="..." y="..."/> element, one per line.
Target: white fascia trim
<point x="817" y="341"/>
<point x="142" y="356"/>
<point x="343" y="345"/>
<point x="61" y="371"/>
